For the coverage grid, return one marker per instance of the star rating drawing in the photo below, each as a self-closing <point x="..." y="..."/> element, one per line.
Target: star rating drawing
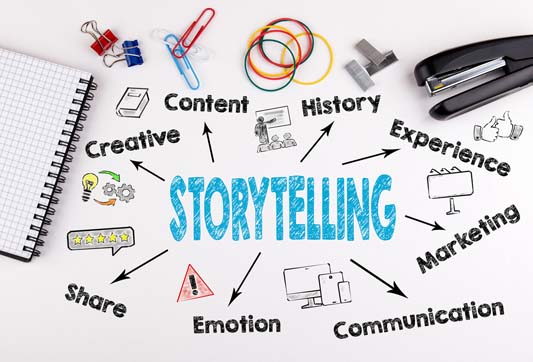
<point x="106" y="238"/>
<point x="89" y="239"/>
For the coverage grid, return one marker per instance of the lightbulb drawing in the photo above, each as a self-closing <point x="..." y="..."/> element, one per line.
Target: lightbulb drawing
<point x="89" y="182"/>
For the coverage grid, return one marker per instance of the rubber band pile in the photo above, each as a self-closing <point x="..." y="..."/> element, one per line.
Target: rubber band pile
<point x="298" y="55"/>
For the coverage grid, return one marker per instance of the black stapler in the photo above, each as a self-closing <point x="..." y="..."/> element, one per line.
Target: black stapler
<point x="513" y="57"/>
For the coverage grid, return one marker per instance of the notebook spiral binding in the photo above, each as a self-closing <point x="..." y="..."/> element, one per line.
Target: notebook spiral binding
<point x="60" y="168"/>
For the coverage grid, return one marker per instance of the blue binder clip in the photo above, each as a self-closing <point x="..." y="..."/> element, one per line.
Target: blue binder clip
<point x="186" y="70"/>
<point x="131" y="54"/>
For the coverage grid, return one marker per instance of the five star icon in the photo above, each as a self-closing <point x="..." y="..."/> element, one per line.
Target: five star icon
<point x="124" y="237"/>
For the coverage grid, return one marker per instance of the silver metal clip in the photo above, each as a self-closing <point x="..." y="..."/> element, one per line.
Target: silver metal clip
<point x="378" y="61"/>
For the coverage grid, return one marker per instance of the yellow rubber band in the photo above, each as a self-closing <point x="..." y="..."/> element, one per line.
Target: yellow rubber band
<point x="330" y="59"/>
<point x="254" y="35"/>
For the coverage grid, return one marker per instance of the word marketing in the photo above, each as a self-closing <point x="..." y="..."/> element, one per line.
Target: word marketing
<point x="217" y="206"/>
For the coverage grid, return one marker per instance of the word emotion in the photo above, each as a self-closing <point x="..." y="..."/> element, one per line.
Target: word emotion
<point x="132" y="143"/>
<point x="292" y="196"/>
<point x="94" y="301"/>
<point x="109" y="238"/>
<point x="242" y="325"/>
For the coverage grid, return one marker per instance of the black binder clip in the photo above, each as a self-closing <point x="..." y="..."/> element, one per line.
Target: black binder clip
<point x="511" y="56"/>
<point x="130" y="53"/>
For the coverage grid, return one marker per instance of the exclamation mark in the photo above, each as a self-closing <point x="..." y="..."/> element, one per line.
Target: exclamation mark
<point x="192" y="281"/>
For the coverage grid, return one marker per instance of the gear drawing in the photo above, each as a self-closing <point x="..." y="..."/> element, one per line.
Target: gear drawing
<point x="109" y="189"/>
<point x="125" y="193"/>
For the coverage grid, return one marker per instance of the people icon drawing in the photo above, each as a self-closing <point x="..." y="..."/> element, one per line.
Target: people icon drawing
<point x="267" y="143"/>
<point x="261" y="129"/>
<point x="288" y="141"/>
<point x="276" y="144"/>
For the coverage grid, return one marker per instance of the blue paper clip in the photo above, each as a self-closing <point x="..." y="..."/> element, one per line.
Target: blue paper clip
<point x="184" y="71"/>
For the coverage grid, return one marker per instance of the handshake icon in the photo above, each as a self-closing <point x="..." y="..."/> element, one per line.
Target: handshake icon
<point x="498" y="127"/>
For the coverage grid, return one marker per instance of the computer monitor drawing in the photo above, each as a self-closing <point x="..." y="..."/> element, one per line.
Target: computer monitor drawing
<point x="303" y="283"/>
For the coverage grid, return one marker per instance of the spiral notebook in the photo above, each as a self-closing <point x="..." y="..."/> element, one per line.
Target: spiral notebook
<point x="42" y="105"/>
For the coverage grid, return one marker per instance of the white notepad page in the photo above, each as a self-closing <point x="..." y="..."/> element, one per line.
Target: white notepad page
<point x="35" y="99"/>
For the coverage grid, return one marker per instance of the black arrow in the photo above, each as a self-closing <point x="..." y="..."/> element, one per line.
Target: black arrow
<point x="385" y="152"/>
<point x="236" y="293"/>
<point x="394" y="289"/>
<point x="207" y="131"/>
<point x="325" y="131"/>
<point x="435" y="225"/>
<point x="124" y="275"/>
<point x="138" y="165"/>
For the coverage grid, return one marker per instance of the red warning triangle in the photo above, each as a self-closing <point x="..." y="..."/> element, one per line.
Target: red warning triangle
<point x="193" y="286"/>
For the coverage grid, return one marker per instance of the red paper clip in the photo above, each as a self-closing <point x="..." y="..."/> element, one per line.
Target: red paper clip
<point x="102" y="42"/>
<point x="185" y="42"/>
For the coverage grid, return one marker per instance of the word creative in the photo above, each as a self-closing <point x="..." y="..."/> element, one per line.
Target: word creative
<point x="353" y="202"/>
<point x="133" y="143"/>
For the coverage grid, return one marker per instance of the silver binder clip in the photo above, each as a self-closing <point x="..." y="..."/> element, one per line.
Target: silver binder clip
<point x="378" y="61"/>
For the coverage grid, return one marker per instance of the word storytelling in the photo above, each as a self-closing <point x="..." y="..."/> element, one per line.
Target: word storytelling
<point x="215" y="208"/>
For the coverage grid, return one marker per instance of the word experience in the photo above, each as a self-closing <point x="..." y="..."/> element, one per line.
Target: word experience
<point x="132" y="143"/>
<point x="206" y="105"/>
<point x="293" y="195"/>
<point x="435" y="144"/>
<point x="318" y="107"/>
<point x="442" y="316"/>
<point x="445" y="252"/>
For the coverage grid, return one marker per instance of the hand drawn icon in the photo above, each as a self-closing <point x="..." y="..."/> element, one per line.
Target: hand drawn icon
<point x="498" y="128"/>
<point x="193" y="286"/>
<point x="450" y="184"/>
<point x="316" y="284"/>
<point x="269" y="119"/>
<point x="89" y="182"/>
<point x="124" y="192"/>
<point x="114" y="238"/>
<point x="133" y="102"/>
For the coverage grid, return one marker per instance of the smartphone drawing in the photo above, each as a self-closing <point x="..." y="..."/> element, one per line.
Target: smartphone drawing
<point x="345" y="292"/>
<point x="329" y="287"/>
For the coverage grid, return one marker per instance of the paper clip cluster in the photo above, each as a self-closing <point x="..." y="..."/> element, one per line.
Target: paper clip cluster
<point x="105" y="44"/>
<point x="288" y="69"/>
<point x="180" y="46"/>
